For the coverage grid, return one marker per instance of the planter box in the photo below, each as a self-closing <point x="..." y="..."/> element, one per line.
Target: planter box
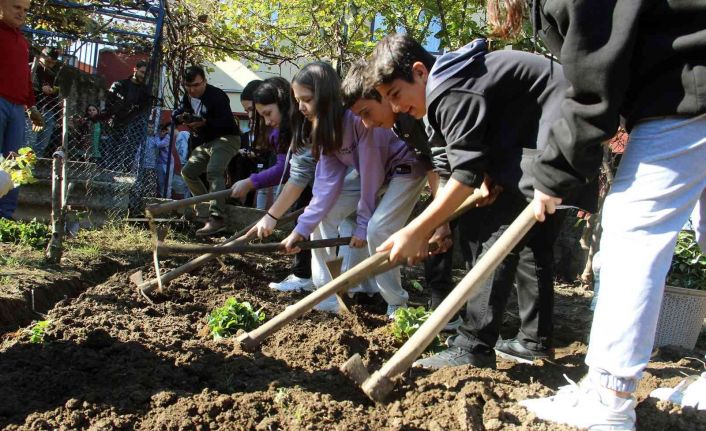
<point x="681" y="318"/>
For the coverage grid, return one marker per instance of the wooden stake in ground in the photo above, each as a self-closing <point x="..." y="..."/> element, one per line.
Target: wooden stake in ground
<point x="378" y="385"/>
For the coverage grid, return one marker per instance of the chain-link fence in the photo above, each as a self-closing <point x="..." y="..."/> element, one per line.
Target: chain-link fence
<point x="110" y="166"/>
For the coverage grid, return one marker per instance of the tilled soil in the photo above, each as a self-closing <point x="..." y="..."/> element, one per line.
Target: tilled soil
<point x="113" y="361"/>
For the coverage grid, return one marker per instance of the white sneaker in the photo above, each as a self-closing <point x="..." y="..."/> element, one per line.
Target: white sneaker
<point x="583" y="406"/>
<point x="391" y="310"/>
<point x="329" y="305"/>
<point x="293" y="284"/>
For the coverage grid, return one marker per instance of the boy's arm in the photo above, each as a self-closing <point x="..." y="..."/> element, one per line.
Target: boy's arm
<point x="595" y="59"/>
<point x="410" y="242"/>
<point x="461" y="120"/>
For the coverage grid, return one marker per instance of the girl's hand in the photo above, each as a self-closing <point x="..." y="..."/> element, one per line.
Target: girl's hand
<point x="406" y="245"/>
<point x="357" y="242"/>
<point x="241" y="189"/>
<point x="544" y="203"/>
<point x="263" y="228"/>
<point x="289" y="242"/>
<point x="443" y="237"/>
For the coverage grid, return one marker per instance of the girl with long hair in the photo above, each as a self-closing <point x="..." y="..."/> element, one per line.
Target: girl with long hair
<point x="341" y="142"/>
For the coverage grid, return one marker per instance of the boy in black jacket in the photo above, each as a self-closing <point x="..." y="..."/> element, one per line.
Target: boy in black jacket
<point x="375" y="111"/>
<point x="645" y="61"/>
<point x="491" y="109"/>
<point x="205" y="110"/>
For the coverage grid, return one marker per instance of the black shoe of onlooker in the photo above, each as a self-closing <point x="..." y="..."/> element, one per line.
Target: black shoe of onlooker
<point x="513" y="350"/>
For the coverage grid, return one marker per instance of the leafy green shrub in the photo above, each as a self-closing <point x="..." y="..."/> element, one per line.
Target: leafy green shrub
<point x="20" y="166"/>
<point x="37" y="331"/>
<point x="688" y="263"/>
<point x="226" y="320"/>
<point x="408" y="320"/>
<point x="33" y="233"/>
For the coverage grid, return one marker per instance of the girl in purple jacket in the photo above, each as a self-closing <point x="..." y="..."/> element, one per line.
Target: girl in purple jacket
<point x="272" y="103"/>
<point x="340" y="141"/>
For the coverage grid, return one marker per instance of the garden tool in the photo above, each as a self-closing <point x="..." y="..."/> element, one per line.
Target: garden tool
<point x="334" y="269"/>
<point x="378" y="385"/>
<point x="376" y="264"/>
<point x="272" y="247"/>
<point x="146" y="287"/>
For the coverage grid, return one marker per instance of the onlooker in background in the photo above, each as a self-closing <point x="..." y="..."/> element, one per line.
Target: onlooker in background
<point x="147" y="161"/>
<point x="180" y="155"/>
<point x="127" y="100"/>
<point x="205" y="110"/>
<point x="15" y="88"/>
<point x="245" y="161"/>
<point x="89" y="128"/>
<point x="46" y="94"/>
<point x="162" y="144"/>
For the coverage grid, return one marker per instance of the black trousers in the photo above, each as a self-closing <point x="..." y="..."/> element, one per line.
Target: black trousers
<point x="301" y="266"/>
<point x="530" y="264"/>
<point x="437" y="268"/>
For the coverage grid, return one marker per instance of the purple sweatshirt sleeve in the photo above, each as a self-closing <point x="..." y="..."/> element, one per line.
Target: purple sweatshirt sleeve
<point x="272" y="175"/>
<point x="328" y="182"/>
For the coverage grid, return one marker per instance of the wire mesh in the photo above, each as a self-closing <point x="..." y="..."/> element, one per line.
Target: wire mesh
<point x="110" y="168"/>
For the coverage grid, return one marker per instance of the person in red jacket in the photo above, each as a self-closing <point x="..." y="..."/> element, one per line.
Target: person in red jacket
<point x="15" y="88"/>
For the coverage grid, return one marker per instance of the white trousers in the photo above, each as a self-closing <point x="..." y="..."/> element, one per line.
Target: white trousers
<point x="660" y="181"/>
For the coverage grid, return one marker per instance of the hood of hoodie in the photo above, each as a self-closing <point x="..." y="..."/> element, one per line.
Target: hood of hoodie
<point x="451" y="65"/>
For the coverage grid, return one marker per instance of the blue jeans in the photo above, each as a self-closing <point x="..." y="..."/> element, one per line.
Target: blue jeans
<point x="661" y="178"/>
<point x="12" y="137"/>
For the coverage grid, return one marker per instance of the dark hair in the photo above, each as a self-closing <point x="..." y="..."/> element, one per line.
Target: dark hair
<point x="325" y="133"/>
<point x="354" y="86"/>
<point x="393" y="58"/>
<point x="93" y="105"/>
<point x="278" y="91"/>
<point x="505" y="17"/>
<point x="141" y="63"/>
<point x="191" y="72"/>
<point x="164" y="126"/>
<point x="249" y="89"/>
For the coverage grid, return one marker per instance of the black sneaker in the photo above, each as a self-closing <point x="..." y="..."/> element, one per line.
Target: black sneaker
<point x="513" y="350"/>
<point x="456" y="356"/>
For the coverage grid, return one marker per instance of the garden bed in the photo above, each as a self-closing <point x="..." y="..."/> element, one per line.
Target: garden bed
<point x="110" y="360"/>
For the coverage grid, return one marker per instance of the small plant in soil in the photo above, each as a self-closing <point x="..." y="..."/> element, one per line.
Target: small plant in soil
<point x="33" y="233"/>
<point x="407" y="321"/>
<point x="688" y="268"/>
<point x="37" y="331"/>
<point x="227" y="320"/>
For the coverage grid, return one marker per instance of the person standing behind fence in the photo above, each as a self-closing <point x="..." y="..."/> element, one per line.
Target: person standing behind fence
<point x="180" y="155"/>
<point x="46" y="94"/>
<point x="162" y="144"/>
<point x="205" y="110"/>
<point x="15" y="88"/>
<point x="126" y="101"/>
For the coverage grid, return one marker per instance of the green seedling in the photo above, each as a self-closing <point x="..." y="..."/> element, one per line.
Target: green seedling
<point x="407" y="321"/>
<point x="37" y="331"/>
<point x="228" y="319"/>
<point x="33" y="233"/>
